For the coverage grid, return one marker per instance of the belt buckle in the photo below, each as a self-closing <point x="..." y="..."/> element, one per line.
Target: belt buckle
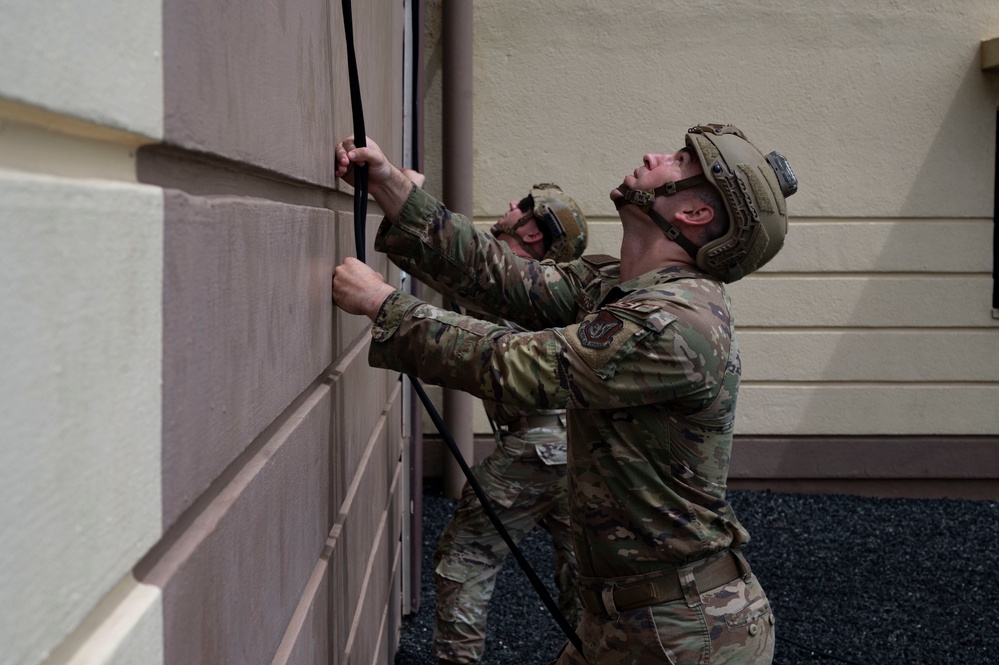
<point x="640" y="197"/>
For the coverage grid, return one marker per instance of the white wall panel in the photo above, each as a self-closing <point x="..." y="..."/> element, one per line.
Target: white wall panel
<point x="80" y="292"/>
<point x="876" y="318"/>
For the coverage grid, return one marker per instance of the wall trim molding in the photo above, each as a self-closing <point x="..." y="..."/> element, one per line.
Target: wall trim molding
<point x="928" y="467"/>
<point x="866" y="457"/>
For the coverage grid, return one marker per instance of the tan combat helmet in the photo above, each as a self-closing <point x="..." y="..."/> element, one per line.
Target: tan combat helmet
<point x="754" y="188"/>
<point x="559" y="219"/>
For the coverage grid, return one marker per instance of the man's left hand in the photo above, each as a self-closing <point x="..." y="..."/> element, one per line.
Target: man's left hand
<point x="357" y="289"/>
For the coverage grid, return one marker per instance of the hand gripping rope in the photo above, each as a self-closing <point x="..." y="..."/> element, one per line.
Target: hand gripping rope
<point x="360" y="212"/>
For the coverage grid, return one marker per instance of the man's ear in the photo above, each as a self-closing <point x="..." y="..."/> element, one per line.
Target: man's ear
<point x="695" y="213"/>
<point x="532" y="235"/>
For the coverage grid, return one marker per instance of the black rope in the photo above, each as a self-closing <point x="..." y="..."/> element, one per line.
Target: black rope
<point x="360" y="210"/>
<point x="360" y="137"/>
<point x="995" y="224"/>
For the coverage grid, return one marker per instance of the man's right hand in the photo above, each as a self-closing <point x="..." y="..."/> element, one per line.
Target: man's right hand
<point x="386" y="183"/>
<point x="348" y="154"/>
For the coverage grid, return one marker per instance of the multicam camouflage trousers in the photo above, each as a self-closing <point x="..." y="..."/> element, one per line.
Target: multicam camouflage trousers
<point x="729" y="625"/>
<point x="524" y="492"/>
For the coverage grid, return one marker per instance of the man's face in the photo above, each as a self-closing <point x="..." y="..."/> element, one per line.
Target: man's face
<point x="526" y="235"/>
<point x="658" y="169"/>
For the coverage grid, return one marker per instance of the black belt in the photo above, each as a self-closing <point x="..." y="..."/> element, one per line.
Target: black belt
<point x="663" y="587"/>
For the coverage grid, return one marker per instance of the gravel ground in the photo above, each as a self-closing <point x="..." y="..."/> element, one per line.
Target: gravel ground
<point x="851" y="579"/>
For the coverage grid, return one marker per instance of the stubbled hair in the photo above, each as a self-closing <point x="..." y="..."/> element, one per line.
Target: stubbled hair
<point x="719" y="225"/>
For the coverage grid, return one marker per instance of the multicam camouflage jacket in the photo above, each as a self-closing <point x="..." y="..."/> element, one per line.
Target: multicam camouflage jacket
<point x="508" y="420"/>
<point x="519" y="422"/>
<point x="648" y="371"/>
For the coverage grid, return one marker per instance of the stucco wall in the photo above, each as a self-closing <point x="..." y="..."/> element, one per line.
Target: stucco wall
<point x="876" y="319"/>
<point x="200" y="467"/>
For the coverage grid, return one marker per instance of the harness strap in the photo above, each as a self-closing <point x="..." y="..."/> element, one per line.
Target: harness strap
<point x="498" y="229"/>
<point x="643" y="198"/>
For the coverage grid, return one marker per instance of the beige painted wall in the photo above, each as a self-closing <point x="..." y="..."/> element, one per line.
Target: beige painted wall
<point x="82" y="266"/>
<point x="199" y="466"/>
<point x="99" y="61"/>
<point x="876" y="318"/>
<point x="883" y="109"/>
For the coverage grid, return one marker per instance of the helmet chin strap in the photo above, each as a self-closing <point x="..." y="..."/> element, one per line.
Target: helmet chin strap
<point x="644" y="198"/>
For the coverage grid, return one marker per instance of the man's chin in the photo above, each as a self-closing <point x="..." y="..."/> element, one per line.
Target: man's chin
<point x="616" y="195"/>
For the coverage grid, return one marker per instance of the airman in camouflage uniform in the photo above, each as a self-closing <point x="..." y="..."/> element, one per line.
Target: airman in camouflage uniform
<point x="524" y="478"/>
<point x="642" y="354"/>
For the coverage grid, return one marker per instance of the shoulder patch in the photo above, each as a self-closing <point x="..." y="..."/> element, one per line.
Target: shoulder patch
<point x="602" y="339"/>
<point x="600" y="260"/>
<point x="598" y="332"/>
<point x="652" y="315"/>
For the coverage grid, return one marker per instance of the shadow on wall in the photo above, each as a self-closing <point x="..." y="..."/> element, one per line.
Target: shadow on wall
<point x="917" y="353"/>
<point x="885" y="359"/>
<point x="967" y="129"/>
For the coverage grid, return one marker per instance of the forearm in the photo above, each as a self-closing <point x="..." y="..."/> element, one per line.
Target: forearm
<point x="460" y="352"/>
<point x="391" y="193"/>
<point x="445" y="250"/>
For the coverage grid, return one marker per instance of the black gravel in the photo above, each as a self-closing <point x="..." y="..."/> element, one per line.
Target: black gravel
<point x="851" y="579"/>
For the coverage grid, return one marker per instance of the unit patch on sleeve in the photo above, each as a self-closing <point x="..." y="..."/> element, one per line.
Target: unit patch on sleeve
<point x="598" y="332"/>
<point x="600" y="340"/>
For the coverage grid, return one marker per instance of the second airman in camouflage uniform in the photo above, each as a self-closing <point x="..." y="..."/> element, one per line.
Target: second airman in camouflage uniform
<point x="642" y="354"/>
<point x="524" y="478"/>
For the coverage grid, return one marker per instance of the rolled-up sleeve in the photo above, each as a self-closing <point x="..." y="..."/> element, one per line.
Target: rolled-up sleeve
<point x="602" y="362"/>
<point x="484" y="359"/>
<point x="444" y="250"/>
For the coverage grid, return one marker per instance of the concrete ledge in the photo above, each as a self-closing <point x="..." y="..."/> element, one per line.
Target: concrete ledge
<point x="882" y="488"/>
<point x="866" y="457"/>
<point x="990" y="55"/>
<point x="928" y="467"/>
<point x="53" y="121"/>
